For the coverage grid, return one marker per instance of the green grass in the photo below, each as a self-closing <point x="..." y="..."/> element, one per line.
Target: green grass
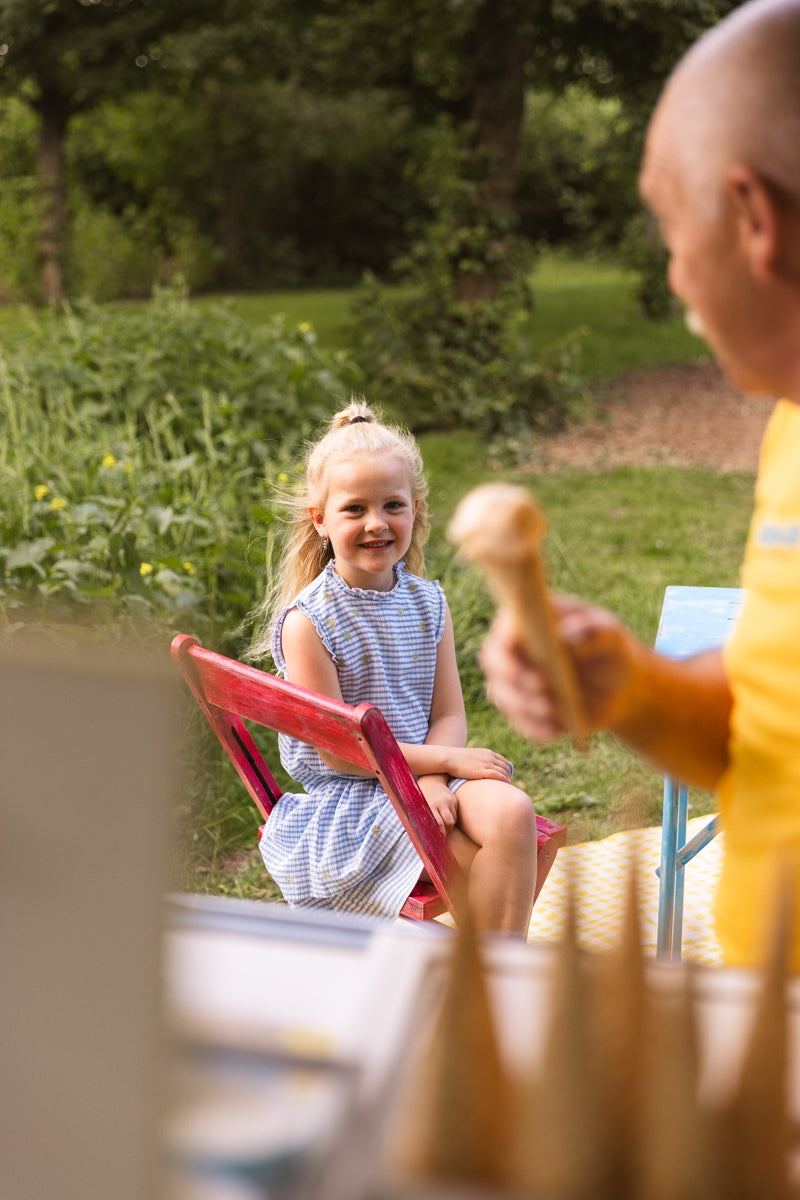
<point x="594" y="297"/>
<point x="618" y="539"/>
<point x="327" y="311"/>
<point x="599" y="298"/>
<point x="588" y="295"/>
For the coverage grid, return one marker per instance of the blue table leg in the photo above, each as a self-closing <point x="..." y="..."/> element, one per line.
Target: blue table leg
<point x="666" y="871"/>
<point x="677" y="923"/>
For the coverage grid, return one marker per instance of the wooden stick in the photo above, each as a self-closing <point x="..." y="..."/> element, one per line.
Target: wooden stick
<point x="459" y="1127"/>
<point x="498" y="527"/>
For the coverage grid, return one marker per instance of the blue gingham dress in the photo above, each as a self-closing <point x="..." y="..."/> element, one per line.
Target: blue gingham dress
<point x="341" y="844"/>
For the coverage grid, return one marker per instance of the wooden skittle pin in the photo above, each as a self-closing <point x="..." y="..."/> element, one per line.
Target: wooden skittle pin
<point x="498" y="527"/>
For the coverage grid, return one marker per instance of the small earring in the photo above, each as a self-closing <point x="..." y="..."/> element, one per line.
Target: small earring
<point x="325" y="545"/>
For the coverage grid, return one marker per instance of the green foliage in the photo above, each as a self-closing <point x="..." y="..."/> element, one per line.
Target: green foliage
<point x="266" y="143"/>
<point x="577" y="172"/>
<point x="122" y="256"/>
<point x="138" y="451"/>
<point x="255" y="181"/>
<point x="79" y="52"/>
<point x="599" y="296"/>
<point x="447" y="351"/>
<point x="437" y="363"/>
<point x="643" y="249"/>
<point x="20" y="204"/>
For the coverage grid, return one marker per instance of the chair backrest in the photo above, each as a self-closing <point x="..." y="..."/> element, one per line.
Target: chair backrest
<point x="228" y="691"/>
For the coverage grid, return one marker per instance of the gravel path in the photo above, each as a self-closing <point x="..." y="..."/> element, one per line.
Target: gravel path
<point x="687" y="416"/>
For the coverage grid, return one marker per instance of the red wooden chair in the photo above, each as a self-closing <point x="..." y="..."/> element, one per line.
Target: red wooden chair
<point x="229" y="692"/>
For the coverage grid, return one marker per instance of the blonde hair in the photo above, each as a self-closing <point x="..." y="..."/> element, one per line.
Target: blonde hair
<point x="354" y="430"/>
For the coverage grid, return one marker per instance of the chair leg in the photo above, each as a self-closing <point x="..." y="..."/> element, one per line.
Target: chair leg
<point x="550" y="838"/>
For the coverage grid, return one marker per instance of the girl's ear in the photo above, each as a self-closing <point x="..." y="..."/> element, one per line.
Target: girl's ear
<point x="758" y="226"/>
<point x="317" y="520"/>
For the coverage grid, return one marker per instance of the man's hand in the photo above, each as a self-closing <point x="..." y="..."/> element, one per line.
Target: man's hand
<point x="675" y="713"/>
<point x="602" y="653"/>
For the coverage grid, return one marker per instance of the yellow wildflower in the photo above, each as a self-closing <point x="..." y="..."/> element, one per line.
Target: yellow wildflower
<point x="188" y="568"/>
<point x="109" y="461"/>
<point x="40" y="491"/>
<point x="145" y="569"/>
<point x="304" y="327"/>
<point x="57" y="503"/>
<point x="283" y="477"/>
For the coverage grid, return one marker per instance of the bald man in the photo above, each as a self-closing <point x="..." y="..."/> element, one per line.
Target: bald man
<point x="721" y="174"/>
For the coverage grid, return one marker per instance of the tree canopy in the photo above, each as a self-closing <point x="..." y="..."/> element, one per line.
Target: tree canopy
<point x="469" y="63"/>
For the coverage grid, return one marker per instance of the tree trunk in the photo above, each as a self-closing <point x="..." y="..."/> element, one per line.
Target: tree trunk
<point x="54" y="116"/>
<point x="497" y="102"/>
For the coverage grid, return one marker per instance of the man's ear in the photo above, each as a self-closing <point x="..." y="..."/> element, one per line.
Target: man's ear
<point x="757" y="220"/>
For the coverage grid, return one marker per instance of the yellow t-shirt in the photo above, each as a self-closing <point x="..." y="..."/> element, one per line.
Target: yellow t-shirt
<point x="760" y="792"/>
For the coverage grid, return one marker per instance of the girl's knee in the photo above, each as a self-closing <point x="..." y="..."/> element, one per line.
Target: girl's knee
<point x="519" y="815"/>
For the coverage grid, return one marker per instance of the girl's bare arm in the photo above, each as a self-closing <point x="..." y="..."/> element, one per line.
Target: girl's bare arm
<point x="443" y="751"/>
<point x="309" y="665"/>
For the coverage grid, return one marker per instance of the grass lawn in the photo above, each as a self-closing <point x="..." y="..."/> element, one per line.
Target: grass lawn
<point x="594" y="298"/>
<point x="618" y="538"/>
<point x="599" y="298"/>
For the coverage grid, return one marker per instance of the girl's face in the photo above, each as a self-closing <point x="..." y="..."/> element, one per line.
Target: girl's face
<point x="369" y="517"/>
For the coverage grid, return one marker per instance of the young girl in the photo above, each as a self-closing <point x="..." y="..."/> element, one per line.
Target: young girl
<point x="354" y="618"/>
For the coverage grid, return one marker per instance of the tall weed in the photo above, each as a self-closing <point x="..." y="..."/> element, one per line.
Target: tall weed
<point x="140" y="444"/>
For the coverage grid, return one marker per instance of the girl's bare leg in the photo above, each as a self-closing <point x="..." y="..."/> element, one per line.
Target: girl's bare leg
<point x="495" y="842"/>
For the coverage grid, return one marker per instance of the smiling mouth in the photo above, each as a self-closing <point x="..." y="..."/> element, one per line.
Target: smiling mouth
<point x="375" y="545"/>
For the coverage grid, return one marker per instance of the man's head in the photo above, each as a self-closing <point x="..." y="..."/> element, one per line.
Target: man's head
<point x="721" y="172"/>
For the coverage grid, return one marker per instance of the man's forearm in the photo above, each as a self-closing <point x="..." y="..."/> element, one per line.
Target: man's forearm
<point x="676" y="714"/>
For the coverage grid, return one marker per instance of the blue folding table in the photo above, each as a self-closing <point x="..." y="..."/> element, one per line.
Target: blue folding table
<point x="693" y="619"/>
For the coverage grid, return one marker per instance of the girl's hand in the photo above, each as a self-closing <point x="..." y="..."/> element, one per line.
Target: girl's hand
<point x="467" y="762"/>
<point x="603" y="653"/>
<point x="441" y="801"/>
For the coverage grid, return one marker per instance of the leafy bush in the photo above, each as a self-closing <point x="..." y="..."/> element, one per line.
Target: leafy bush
<point x="20" y="203"/>
<point x="440" y="364"/>
<point x="139" y="445"/>
<point x="579" y="157"/>
<point x="120" y="256"/>
<point x="644" y="250"/>
<point x="447" y="350"/>
<point x="285" y="185"/>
